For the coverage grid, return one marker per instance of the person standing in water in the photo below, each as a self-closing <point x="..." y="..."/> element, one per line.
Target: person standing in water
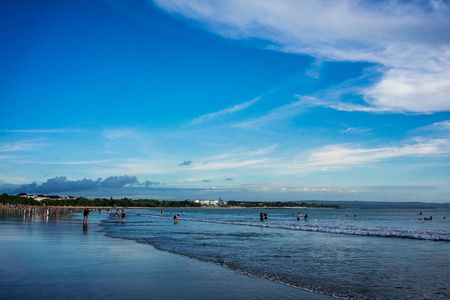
<point x="261" y="216"/>
<point x="123" y="215"/>
<point x="86" y="214"/>
<point x="306" y="217"/>
<point x="175" y="219"/>
<point x="116" y="215"/>
<point x="298" y="216"/>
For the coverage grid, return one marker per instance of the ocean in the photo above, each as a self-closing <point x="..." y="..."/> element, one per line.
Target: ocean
<point x="345" y="253"/>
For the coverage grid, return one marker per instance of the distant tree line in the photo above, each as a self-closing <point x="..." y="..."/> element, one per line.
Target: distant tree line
<point x="5" y="198"/>
<point x="81" y="201"/>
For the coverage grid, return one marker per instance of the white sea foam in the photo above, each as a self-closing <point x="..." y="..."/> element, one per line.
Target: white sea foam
<point x="434" y="235"/>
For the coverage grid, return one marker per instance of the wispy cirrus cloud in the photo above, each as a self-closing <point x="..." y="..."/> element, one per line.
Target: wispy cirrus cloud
<point x="80" y="162"/>
<point x="343" y="156"/>
<point x="440" y="127"/>
<point x="354" y="130"/>
<point x="231" y="164"/>
<point x="410" y="39"/>
<point x="334" y="102"/>
<point x="224" y="112"/>
<point x="40" y="130"/>
<point x="21" y="146"/>
<point x="117" y="133"/>
<point x="281" y="113"/>
<point x="243" y="158"/>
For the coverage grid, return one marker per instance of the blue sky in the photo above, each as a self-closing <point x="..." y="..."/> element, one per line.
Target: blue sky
<point x="243" y="100"/>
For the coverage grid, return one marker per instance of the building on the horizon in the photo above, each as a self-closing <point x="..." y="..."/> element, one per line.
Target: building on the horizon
<point x="212" y="203"/>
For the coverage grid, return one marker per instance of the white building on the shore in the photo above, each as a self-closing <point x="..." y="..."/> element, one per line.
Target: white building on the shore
<point x="40" y="197"/>
<point x="213" y="203"/>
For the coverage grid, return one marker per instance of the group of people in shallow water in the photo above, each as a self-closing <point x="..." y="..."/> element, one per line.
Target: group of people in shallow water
<point x="428" y="219"/>
<point x="87" y="212"/>
<point x="263" y="216"/>
<point x="305" y="217"/>
<point x="117" y="215"/>
<point x="175" y="217"/>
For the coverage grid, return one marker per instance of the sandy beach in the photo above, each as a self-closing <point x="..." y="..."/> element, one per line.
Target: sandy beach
<point x="60" y="258"/>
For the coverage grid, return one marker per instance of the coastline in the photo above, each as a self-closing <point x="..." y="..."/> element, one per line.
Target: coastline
<point x="164" y="207"/>
<point x="62" y="258"/>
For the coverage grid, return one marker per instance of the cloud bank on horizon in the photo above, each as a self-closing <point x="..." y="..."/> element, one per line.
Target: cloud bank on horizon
<point x="409" y="40"/>
<point x="61" y="184"/>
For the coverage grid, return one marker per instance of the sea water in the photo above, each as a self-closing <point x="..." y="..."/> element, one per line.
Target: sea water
<point x="357" y="254"/>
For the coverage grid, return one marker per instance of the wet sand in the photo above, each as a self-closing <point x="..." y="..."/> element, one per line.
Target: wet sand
<point x="64" y="259"/>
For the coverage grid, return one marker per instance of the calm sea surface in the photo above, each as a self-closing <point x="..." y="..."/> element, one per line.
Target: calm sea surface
<point x="377" y="254"/>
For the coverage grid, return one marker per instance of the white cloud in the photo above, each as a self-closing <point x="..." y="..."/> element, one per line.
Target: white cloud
<point x="411" y="39"/>
<point x="412" y="90"/>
